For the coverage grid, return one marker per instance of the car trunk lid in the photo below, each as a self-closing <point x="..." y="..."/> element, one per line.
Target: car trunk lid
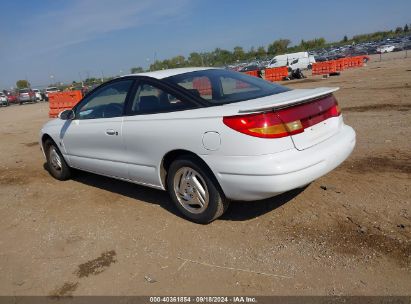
<point x="309" y="116"/>
<point x="320" y="118"/>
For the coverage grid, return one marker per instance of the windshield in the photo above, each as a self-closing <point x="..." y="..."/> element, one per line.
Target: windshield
<point x="223" y="86"/>
<point x="24" y="91"/>
<point x="51" y="89"/>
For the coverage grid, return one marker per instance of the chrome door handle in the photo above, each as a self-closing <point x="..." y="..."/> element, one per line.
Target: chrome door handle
<point x="111" y="132"/>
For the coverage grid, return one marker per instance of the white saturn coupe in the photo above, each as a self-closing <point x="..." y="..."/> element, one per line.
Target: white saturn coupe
<point x="207" y="136"/>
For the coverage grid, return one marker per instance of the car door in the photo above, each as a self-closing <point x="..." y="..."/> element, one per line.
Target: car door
<point x="93" y="140"/>
<point x="150" y="117"/>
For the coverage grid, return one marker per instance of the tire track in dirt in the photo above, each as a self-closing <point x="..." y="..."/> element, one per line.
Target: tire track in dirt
<point x="20" y="176"/>
<point x="349" y="237"/>
<point x="399" y="162"/>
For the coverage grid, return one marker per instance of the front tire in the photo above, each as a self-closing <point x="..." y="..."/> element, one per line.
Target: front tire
<point x="194" y="191"/>
<point x="56" y="164"/>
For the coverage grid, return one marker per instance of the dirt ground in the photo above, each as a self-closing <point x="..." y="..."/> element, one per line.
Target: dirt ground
<point x="348" y="233"/>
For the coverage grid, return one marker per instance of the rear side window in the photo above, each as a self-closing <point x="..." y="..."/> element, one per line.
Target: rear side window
<point x="231" y="86"/>
<point x="150" y="99"/>
<point x="223" y="86"/>
<point x="200" y="86"/>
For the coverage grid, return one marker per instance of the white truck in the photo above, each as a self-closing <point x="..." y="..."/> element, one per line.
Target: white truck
<point x="300" y="60"/>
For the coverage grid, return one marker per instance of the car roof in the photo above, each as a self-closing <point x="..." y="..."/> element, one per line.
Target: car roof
<point x="170" y="72"/>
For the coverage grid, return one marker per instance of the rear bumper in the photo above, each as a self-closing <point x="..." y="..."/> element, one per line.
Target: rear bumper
<point x="251" y="178"/>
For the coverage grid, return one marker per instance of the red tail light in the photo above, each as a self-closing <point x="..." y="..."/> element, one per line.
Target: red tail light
<point x="287" y="121"/>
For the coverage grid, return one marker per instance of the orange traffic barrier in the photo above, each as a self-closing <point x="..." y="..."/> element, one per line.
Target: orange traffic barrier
<point x="332" y="66"/>
<point x="252" y="73"/>
<point x="202" y="85"/>
<point x="340" y="64"/>
<point x="276" y="74"/>
<point x="61" y="101"/>
<point x="324" y="68"/>
<point x="355" y="62"/>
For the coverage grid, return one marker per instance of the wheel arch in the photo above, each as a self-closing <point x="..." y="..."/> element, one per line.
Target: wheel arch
<point x="170" y="156"/>
<point x="46" y="137"/>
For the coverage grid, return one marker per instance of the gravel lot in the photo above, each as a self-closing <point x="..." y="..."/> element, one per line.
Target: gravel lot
<point x="348" y="233"/>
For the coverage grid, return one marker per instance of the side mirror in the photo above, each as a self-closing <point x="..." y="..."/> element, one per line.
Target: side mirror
<point x="66" y="115"/>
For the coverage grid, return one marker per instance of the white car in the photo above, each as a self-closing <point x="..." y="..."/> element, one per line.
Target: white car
<point x="3" y="100"/>
<point x="385" y="49"/>
<point x="38" y="94"/>
<point x="50" y="90"/>
<point x="207" y="136"/>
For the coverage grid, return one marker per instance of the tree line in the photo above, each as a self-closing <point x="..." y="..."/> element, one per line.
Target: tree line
<point x="222" y="57"/>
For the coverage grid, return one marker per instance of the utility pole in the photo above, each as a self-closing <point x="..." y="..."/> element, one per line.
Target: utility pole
<point x="81" y="80"/>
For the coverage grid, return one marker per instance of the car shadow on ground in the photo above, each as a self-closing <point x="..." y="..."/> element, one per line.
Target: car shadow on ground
<point x="237" y="211"/>
<point x="241" y="211"/>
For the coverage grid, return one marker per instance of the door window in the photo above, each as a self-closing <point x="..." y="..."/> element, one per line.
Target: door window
<point x="106" y="102"/>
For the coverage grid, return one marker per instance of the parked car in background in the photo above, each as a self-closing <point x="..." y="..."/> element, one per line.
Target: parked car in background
<point x="385" y="49"/>
<point x="50" y="90"/>
<point x="3" y="99"/>
<point x="43" y="94"/>
<point x="26" y="95"/>
<point x="248" y="140"/>
<point x="38" y="94"/>
<point x="11" y="96"/>
<point x="252" y="67"/>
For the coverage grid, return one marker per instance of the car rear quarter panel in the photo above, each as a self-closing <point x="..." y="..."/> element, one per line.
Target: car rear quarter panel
<point x="148" y="138"/>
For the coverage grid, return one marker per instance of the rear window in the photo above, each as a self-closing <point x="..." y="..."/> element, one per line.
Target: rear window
<point x="51" y="89"/>
<point x="223" y="86"/>
<point x="24" y="91"/>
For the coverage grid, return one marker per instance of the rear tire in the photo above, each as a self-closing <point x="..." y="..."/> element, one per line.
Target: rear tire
<point x="56" y="164"/>
<point x="195" y="191"/>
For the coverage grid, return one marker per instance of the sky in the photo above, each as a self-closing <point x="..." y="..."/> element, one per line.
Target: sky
<point x="47" y="41"/>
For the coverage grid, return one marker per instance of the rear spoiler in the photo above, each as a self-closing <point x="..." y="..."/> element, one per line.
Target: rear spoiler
<point x="283" y="100"/>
